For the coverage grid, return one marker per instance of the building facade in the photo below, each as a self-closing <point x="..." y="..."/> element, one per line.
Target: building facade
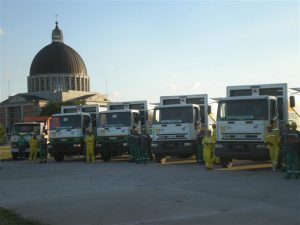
<point x="57" y="73"/>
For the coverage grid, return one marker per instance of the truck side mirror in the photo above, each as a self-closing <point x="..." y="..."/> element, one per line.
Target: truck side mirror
<point x="209" y="109"/>
<point x="292" y="101"/>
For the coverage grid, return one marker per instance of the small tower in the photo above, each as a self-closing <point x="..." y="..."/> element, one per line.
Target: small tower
<point x="57" y="34"/>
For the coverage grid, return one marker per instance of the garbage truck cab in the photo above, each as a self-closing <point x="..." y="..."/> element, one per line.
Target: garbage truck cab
<point x="67" y="133"/>
<point x="115" y="124"/>
<point x="244" y="115"/>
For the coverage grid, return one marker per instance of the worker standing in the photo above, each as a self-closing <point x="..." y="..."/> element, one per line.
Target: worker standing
<point x="208" y="144"/>
<point x="283" y="155"/>
<point x="90" y="144"/>
<point x="43" y="149"/>
<point x="21" y="147"/>
<point x="131" y="146"/>
<point x="199" y="148"/>
<point x="272" y="140"/>
<point x="33" y="144"/>
<point x="292" y="140"/>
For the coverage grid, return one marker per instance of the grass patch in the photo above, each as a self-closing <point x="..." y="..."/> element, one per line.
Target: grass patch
<point x="5" y="153"/>
<point x="9" y="217"/>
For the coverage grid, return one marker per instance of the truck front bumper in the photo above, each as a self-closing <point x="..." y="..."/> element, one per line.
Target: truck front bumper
<point x="114" y="148"/>
<point x="241" y="150"/>
<point x="66" y="149"/>
<point x="173" y="148"/>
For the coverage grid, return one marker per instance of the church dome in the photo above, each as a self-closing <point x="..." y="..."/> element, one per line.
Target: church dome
<point x="57" y="58"/>
<point x="57" y="67"/>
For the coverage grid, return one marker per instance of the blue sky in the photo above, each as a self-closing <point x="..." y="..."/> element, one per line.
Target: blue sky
<point x="145" y="49"/>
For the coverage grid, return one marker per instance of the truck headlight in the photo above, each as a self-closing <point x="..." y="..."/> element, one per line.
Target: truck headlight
<point x="154" y="145"/>
<point x="98" y="145"/>
<point x="77" y="145"/>
<point x="218" y="146"/>
<point x="260" y="146"/>
<point x="125" y="144"/>
<point x="187" y="144"/>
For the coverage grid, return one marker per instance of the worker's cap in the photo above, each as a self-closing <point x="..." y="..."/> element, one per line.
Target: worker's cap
<point x="294" y="124"/>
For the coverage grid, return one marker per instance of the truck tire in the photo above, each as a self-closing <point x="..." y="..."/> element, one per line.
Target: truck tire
<point x="15" y="156"/>
<point x="58" y="158"/>
<point x="225" y="162"/>
<point x="106" y="157"/>
<point x="158" y="158"/>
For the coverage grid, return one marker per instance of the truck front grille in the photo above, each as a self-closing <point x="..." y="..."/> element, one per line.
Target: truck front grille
<point x="240" y="136"/>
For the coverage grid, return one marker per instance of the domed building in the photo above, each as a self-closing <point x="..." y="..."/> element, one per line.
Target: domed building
<point x="58" y="67"/>
<point x="57" y="73"/>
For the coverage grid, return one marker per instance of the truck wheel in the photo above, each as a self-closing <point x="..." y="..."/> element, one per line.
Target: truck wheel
<point x="106" y="157"/>
<point x="15" y="156"/>
<point x="225" y="162"/>
<point x="158" y="158"/>
<point x="59" y="158"/>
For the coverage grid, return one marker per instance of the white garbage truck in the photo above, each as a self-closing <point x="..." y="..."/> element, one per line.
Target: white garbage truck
<point x="176" y="123"/>
<point x="69" y="128"/>
<point x="244" y="115"/>
<point x="115" y="124"/>
<point x="27" y="130"/>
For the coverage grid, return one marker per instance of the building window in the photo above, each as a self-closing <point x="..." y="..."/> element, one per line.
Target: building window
<point x="78" y="84"/>
<point x="36" y="88"/>
<point x="66" y="83"/>
<point x="47" y="84"/>
<point x="73" y="83"/>
<point x="42" y="84"/>
<point x="54" y="83"/>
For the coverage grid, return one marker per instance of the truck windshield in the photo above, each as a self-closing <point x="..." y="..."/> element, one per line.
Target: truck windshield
<point x="65" y="122"/>
<point x="115" y="119"/>
<point x="256" y="109"/>
<point x="173" y="115"/>
<point x="26" y="128"/>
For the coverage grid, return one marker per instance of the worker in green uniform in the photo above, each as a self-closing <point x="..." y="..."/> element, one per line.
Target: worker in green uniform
<point x="90" y="145"/>
<point x="292" y="140"/>
<point x="283" y="154"/>
<point x="33" y="145"/>
<point x="21" y="146"/>
<point x="131" y="145"/>
<point x="199" y="148"/>
<point x="208" y="144"/>
<point x="43" y="149"/>
<point x="272" y="140"/>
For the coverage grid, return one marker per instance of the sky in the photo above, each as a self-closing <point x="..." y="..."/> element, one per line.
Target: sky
<point x="141" y="50"/>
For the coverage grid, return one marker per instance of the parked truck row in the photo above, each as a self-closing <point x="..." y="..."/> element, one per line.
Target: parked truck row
<point x="241" y="119"/>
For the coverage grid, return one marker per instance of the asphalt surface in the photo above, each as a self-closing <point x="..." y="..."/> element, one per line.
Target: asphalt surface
<point x="121" y="193"/>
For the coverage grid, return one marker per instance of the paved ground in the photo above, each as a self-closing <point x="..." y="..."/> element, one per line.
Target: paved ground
<point x="175" y="193"/>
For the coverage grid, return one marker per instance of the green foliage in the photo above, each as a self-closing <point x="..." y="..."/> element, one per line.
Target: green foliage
<point x="54" y="107"/>
<point x="8" y="217"/>
<point x="2" y="133"/>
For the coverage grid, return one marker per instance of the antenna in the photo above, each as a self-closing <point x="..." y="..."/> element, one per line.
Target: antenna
<point x="8" y="88"/>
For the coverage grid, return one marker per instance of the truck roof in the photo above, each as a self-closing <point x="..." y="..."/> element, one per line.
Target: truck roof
<point x="176" y="105"/>
<point x="29" y="123"/>
<point x="69" y="114"/>
<point x="119" y="110"/>
<point x="247" y="97"/>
